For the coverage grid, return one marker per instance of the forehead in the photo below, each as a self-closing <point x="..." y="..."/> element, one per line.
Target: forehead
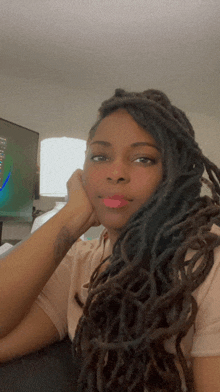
<point x="120" y="125"/>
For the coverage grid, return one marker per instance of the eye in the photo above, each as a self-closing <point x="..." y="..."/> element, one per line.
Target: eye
<point x="146" y="160"/>
<point x="98" y="158"/>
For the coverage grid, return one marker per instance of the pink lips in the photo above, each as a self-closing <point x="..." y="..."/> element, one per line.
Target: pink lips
<point x="115" y="201"/>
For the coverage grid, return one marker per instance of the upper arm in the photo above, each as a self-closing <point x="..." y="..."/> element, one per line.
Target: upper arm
<point x="206" y="372"/>
<point x="34" y="332"/>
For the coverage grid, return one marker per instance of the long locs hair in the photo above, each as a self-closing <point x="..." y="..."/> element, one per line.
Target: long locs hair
<point x="144" y="296"/>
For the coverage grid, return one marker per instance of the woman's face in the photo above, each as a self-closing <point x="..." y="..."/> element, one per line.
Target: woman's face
<point x="123" y="168"/>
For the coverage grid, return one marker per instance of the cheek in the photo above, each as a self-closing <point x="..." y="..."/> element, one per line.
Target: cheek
<point x="160" y="174"/>
<point x="93" y="175"/>
<point x="158" y="177"/>
<point x="144" y="185"/>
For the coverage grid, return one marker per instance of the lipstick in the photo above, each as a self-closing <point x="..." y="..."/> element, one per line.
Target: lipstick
<point x="115" y="201"/>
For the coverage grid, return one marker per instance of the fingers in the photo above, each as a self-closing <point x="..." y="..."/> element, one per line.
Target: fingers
<point x="74" y="184"/>
<point x="77" y="194"/>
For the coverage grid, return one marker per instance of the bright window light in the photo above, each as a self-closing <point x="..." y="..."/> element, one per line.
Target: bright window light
<point x="59" y="158"/>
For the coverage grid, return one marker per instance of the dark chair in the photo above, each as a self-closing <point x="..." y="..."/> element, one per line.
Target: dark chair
<point x="52" y="369"/>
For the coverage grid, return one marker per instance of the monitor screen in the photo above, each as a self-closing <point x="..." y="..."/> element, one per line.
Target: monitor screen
<point x="18" y="167"/>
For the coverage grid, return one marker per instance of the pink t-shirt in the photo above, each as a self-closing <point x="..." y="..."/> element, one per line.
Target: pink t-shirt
<point x="73" y="274"/>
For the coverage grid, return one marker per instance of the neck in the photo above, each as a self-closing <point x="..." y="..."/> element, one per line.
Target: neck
<point x="113" y="236"/>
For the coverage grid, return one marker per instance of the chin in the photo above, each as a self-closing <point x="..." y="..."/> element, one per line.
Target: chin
<point x="115" y="226"/>
<point x="114" y="219"/>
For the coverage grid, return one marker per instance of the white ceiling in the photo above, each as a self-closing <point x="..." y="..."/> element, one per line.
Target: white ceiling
<point x="99" y="45"/>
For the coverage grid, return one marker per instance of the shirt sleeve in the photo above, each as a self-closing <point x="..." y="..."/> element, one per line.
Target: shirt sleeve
<point x="57" y="297"/>
<point x="53" y="299"/>
<point x="206" y="340"/>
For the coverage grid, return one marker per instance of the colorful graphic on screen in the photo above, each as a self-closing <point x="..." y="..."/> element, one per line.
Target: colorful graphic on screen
<point x="6" y="165"/>
<point x="18" y="154"/>
<point x="3" y="146"/>
<point x="6" y="180"/>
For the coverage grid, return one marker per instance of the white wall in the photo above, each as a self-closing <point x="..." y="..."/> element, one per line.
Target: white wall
<point x="207" y="131"/>
<point x="51" y="110"/>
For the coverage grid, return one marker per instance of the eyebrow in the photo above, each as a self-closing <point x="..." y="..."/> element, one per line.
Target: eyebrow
<point x="137" y="144"/>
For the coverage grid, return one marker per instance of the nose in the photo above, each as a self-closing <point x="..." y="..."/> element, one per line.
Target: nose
<point x="118" y="172"/>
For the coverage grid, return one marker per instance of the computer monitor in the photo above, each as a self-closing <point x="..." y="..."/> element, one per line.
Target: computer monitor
<point x="18" y="168"/>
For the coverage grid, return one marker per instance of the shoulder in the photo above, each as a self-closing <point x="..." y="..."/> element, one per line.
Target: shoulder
<point x="79" y="258"/>
<point x="83" y="248"/>
<point x="85" y="256"/>
<point x="206" y="341"/>
<point x="213" y="277"/>
<point x="215" y="229"/>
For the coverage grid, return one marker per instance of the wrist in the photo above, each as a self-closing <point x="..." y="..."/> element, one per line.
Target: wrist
<point x="75" y="220"/>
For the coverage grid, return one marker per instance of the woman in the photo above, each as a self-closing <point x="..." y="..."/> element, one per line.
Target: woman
<point x="152" y="271"/>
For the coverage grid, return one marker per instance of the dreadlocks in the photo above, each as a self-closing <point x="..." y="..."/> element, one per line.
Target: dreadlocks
<point x="144" y="296"/>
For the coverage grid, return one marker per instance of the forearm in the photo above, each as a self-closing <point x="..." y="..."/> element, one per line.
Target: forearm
<point x="25" y="271"/>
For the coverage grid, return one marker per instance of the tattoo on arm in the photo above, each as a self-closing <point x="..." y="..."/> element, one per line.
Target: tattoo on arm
<point x="63" y="243"/>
